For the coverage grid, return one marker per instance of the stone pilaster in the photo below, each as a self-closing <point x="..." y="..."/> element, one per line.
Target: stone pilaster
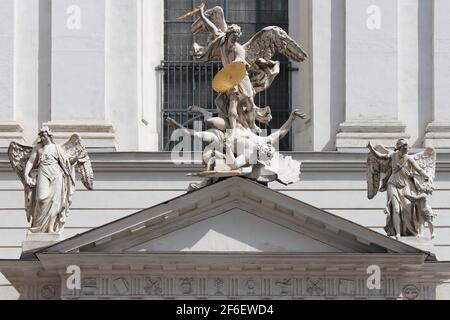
<point x="438" y="132"/>
<point x="9" y="128"/>
<point x="372" y="110"/>
<point x="78" y="73"/>
<point x="135" y="48"/>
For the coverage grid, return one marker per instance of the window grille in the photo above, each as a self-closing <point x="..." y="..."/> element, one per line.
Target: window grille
<point x="186" y="82"/>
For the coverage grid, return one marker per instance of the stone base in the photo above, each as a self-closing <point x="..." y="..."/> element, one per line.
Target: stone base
<point x="10" y="131"/>
<point x="96" y="135"/>
<point x="35" y="241"/>
<point x="357" y="134"/>
<point x="424" y="244"/>
<point x="438" y="135"/>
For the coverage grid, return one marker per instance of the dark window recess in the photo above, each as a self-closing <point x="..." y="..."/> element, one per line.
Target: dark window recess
<point x="185" y="82"/>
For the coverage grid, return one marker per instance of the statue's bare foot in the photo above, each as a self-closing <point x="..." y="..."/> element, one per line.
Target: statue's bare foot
<point x="173" y="123"/>
<point x="298" y="113"/>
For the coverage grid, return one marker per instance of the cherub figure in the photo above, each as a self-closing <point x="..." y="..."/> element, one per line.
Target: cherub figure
<point x="48" y="193"/>
<point x="405" y="178"/>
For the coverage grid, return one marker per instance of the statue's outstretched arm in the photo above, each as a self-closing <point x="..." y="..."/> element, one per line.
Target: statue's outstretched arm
<point x="206" y="137"/>
<point x="286" y="128"/>
<point x="416" y="167"/>
<point x="209" y="24"/>
<point x="29" y="167"/>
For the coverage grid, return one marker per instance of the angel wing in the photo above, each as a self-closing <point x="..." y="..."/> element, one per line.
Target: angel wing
<point x="18" y="157"/>
<point x="427" y="161"/>
<point x="78" y="155"/>
<point x="269" y="41"/>
<point x="216" y="16"/>
<point x="375" y="167"/>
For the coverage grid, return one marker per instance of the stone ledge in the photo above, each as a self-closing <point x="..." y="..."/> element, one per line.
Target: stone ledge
<point x="438" y="135"/>
<point x="10" y="131"/>
<point x="97" y="135"/>
<point x="372" y="126"/>
<point x="78" y="126"/>
<point x="356" y="134"/>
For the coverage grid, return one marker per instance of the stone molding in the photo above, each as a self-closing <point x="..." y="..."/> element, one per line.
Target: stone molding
<point x="438" y="135"/>
<point x="161" y="161"/>
<point x="201" y="276"/>
<point x="357" y="134"/>
<point x="97" y="135"/>
<point x="10" y="131"/>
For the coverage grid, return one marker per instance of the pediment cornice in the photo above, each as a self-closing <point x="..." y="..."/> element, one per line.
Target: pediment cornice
<point x="217" y="199"/>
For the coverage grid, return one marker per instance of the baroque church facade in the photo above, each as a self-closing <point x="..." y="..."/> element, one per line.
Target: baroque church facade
<point x="113" y="70"/>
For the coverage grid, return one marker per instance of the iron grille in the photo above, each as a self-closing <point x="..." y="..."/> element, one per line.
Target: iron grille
<point x="186" y="82"/>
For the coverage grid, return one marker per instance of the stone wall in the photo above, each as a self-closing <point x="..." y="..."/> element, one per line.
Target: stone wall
<point x="128" y="182"/>
<point x="378" y="70"/>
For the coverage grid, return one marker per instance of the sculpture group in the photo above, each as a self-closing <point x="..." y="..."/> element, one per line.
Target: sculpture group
<point x="408" y="181"/>
<point x="234" y="144"/>
<point x="48" y="171"/>
<point x="235" y="147"/>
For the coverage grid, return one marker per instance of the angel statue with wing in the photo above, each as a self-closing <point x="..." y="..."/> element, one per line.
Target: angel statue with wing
<point x="235" y="145"/>
<point x="47" y="172"/>
<point x="408" y="181"/>
<point x="236" y="105"/>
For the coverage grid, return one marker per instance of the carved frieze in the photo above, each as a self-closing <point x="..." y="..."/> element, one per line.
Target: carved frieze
<point x="179" y="286"/>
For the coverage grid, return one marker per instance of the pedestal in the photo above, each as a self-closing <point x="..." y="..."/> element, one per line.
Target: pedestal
<point x="424" y="244"/>
<point x="35" y="241"/>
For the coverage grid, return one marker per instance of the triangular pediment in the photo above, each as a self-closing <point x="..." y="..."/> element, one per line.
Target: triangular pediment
<point x="234" y="231"/>
<point x="234" y="215"/>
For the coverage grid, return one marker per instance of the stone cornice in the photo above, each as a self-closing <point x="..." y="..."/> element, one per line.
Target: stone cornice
<point x="161" y="162"/>
<point x="275" y="261"/>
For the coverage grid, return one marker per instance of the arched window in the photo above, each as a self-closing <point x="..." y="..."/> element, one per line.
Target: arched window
<point x="188" y="82"/>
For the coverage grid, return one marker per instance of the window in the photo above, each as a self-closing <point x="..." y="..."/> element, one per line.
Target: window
<point x="187" y="82"/>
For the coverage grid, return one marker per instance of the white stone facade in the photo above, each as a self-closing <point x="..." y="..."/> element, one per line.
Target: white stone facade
<point x="378" y="70"/>
<point x="235" y="239"/>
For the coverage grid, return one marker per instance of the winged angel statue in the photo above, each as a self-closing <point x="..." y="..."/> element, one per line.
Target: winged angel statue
<point x="237" y="105"/>
<point x="408" y="181"/>
<point x="48" y="192"/>
<point x="235" y="146"/>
